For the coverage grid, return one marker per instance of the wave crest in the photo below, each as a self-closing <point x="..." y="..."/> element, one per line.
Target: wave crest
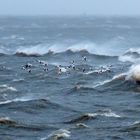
<point x="58" y="134"/>
<point x="131" y="55"/>
<point x="42" y="49"/>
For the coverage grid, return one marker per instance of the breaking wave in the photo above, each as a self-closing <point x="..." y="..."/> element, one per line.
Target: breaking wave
<point x="42" y="49"/>
<point x="58" y="134"/>
<point x="93" y="116"/>
<point x="131" y="55"/>
<point x="59" y="48"/>
<point x="134" y="73"/>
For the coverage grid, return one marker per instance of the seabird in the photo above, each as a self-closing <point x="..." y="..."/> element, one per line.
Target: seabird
<point x="84" y="58"/>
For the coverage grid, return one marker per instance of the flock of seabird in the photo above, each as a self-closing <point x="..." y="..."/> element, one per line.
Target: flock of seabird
<point x="63" y="69"/>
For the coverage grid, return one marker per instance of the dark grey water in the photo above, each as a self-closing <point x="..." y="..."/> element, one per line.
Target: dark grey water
<point x="69" y="78"/>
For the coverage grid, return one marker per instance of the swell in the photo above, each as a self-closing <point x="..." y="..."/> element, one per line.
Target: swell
<point x="8" y="122"/>
<point x="135" y="127"/>
<point x="23" y="104"/>
<point x="122" y="82"/>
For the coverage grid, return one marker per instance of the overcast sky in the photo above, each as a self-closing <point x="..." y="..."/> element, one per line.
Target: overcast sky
<point x="69" y="7"/>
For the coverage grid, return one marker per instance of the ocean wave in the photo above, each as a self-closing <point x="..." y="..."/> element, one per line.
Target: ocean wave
<point x="108" y="113"/>
<point x="4" y="51"/>
<point x="81" y="125"/>
<point x="114" y="82"/>
<point x="93" y="116"/>
<point x="134" y="73"/>
<point x="5" y="87"/>
<point x="67" y="52"/>
<point x="131" y="55"/>
<point x="42" y="49"/>
<point x="22" y="54"/>
<point x="15" y="100"/>
<point x="23" y="99"/>
<point x="121" y="76"/>
<point x="132" y="127"/>
<point x="84" y="117"/>
<point x="6" y="121"/>
<point x="131" y="76"/>
<point x="120" y="81"/>
<point x="33" y="103"/>
<point x="18" y="80"/>
<point x="58" y="134"/>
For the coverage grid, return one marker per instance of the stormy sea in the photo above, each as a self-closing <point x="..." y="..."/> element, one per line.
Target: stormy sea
<point x="69" y="78"/>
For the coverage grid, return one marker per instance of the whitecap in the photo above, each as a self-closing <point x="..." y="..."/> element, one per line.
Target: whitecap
<point x="15" y="100"/>
<point x="5" y="87"/>
<point x="131" y="55"/>
<point x="127" y="59"/>
<point x="58" y="134"/>
<point x="110" y="114"/>
<point x="136" y="122"/>
<point x="18" y="80"/>
<point x="102" y="83"/>
<point x="134" y="73"/>
<point x="106" y="114"/>
<point x="99" y="49"/>
<point x="22" y="99"/>
<point x="81" y="125"/>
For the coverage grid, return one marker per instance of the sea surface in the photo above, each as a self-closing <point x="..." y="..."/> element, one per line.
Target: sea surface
<point x="69" y="78"/>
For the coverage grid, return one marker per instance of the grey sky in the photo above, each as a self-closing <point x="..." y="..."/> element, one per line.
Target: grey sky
<point x="69" y="7"/>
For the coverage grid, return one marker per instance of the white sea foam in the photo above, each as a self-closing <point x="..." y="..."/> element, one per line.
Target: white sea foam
<point x="5" y="87"/>
<point x="106" y="48"/>
<point x="127" y="59"/>
<point x="39" y="49"/>
<point x="102" y="83"/>
<point x="18" y="80"/>
<point x="23" y="99"/>
<point x="110" y="114"/>
<point x="4" y="118"/>
<point x="81" y="125"/>
<point x="134" y="73"/>
<point x="58" y="134"/>
<point x="107" y="113"/>
<point x="131" y="55"/>
<point x="136" y="122"/>
<point x="99" y="49"/>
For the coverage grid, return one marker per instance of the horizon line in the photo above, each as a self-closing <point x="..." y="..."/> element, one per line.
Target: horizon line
<point x="69" y="15"/>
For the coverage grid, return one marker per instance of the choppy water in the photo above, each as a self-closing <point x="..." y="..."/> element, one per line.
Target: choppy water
<point x="69" y="78"/>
